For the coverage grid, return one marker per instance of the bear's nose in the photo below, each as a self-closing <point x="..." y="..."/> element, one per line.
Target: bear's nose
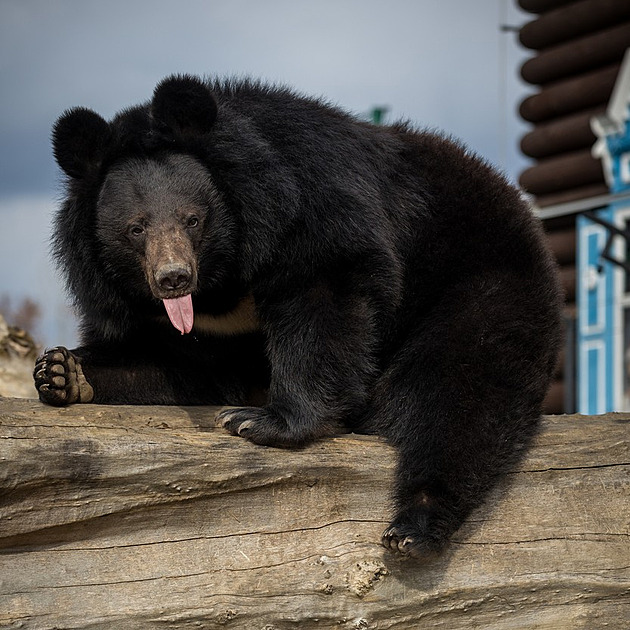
<point x="173" y="277"/>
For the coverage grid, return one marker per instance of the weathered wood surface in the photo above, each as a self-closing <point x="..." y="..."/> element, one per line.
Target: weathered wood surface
<point x="147" y="517"/>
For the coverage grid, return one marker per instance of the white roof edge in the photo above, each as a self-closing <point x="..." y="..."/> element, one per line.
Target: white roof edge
<point x="613" y="121"/>
<point x="614" y="118"/>
<point x="579" y="205"/>
<point x="617" y="110"/>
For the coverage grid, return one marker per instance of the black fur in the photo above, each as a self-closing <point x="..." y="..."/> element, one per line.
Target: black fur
<point x="400" y="284"/>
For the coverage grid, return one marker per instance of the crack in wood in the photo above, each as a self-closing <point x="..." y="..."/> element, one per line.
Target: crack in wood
<point x="582" y="537"/>
<point x="585" y="573"/>
<point x="176" y="541"/>
<point x="563" y="468"/>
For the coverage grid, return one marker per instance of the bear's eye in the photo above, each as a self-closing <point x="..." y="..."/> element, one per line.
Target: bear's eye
<point x="192" y="222"/>
<point x="136" y="230"/>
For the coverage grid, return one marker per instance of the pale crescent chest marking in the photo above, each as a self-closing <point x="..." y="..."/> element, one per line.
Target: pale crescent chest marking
<point x="242" y="319"/>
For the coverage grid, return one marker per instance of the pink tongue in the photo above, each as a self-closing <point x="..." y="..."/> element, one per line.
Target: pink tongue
<point x="180" y="312"/>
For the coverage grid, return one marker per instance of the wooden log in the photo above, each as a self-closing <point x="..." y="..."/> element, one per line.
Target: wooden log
<point x="574" y="20"/>
<point x="570" y="95"/>
<point x="568" y="280"/>
<point x="560" y="135"/>
<point x="572" y="194"/>
<point x="578" y="55"/>
<point x="151" y="517"/>
<point x="554" y="401"/>
<point x="562" y="172"/>
<point x="540" y="6"/>
<point x="563" y="244"/>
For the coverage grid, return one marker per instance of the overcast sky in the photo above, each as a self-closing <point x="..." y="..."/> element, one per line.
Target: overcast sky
<point x="442" y="64"/>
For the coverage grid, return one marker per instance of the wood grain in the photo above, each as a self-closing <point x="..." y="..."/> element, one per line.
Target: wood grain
<point x="152" y="517"/>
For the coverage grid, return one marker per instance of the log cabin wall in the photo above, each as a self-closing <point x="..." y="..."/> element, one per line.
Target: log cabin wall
<point x="577" y="48"/>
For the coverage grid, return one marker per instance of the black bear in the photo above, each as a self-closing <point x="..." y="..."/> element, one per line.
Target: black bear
<point x="238" y="244"/>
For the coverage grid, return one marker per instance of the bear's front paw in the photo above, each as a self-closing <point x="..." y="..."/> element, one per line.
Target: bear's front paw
<point x="262" y="426"/>
<point x="59" y="379"/>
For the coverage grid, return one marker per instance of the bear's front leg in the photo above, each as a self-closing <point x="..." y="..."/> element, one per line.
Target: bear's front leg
<point x="59" y="378"/>
<point x="320" y="348"/>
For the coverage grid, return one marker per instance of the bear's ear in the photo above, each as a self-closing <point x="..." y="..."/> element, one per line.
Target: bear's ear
<point x="183" y="104"/>
<point x="80" y="139"/>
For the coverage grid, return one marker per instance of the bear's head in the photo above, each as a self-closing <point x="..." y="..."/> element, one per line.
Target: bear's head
<point x="183" y="111"/>
<point x="155" y="210"/>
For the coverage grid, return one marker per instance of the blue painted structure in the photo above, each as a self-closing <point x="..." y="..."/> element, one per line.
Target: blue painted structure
<point x="595" y="364"/>
<point x="603" y="330"/>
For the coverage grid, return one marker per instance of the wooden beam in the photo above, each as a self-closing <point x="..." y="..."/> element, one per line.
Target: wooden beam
<point x="570" y="95"/>
<point x="152" y="517"/>
<point x="541" y="6"/>
<point x="560" y="24"/>
<point x="578" y="55"/>
<point x="561" y="135"/>
<point x="562" y="172"/>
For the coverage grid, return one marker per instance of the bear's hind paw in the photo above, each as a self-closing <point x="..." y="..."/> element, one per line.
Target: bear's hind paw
<point x="59" y="378"/>
<point x="406" y="544"/>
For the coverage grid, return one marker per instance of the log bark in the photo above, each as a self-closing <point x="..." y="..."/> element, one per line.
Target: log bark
<point x="561" y="135"/>
<point x="562" y="172"/>
<point x="578" y="55"/>
<point x="572" y="194"/>
<point x="541" y="6"/>
<point x="563" y="245"/>
<point x="571" y="95"/>
<point x="563" y="23"/>
<point x="152" y="517"/>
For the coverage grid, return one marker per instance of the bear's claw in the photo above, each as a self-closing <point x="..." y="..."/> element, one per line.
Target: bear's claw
<point x="59" y="378"/>
<point x="402" y="546"/>
<point x="230" y="420"/>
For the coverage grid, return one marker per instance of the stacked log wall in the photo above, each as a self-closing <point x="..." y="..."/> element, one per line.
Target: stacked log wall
<point x="577" y="48"/>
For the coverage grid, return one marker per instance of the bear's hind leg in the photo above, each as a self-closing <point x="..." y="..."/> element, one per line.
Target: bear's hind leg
<point x="447" y="465"/>
<point x="428" y="512"/>
<point x="430" y="501"/>
<point x="459" y="419"/>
